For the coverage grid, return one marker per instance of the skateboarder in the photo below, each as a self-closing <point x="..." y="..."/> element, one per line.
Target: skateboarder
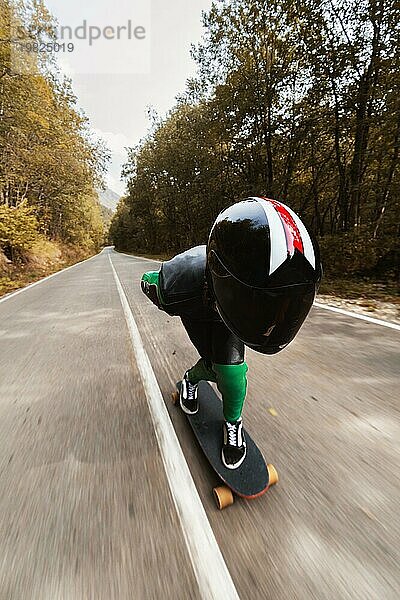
<point x="253" y="284"/>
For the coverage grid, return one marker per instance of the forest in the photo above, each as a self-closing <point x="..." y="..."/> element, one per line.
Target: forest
<point x="50" y="167"/>
<point x="297" y="101"/>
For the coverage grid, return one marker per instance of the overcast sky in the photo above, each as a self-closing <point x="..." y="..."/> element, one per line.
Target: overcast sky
<point x="150" y="72"/>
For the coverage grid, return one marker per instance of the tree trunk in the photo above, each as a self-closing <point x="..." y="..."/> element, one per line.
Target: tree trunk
<point x="393" y="164"/>
<point x="365" y="96"/>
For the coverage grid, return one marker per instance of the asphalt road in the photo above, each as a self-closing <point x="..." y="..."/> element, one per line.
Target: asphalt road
<point x="86" y="510"/>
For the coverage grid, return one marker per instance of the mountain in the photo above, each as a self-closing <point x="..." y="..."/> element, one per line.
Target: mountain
<point x="108" y="198"/>
<point x="107" y="215"/>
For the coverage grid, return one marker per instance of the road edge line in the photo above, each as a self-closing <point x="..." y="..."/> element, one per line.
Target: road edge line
<point x="208" y="564"/>
<point x="35" y="283"/>
<point x="348" y="313"/>
<point x="137" y="257"/>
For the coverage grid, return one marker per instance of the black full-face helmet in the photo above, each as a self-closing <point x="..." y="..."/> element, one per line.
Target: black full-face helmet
<point x="265" y="270"/>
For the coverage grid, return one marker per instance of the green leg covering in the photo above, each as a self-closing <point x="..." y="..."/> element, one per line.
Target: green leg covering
<point x="201" y="372"/>
<point x="232" y="384"/>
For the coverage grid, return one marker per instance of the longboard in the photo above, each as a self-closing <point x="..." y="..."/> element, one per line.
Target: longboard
<point x="253" y="477"/>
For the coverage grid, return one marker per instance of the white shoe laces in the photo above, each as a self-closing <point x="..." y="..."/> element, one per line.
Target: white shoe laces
<point x="191" y="390"/>
<point x="233" y="431"/>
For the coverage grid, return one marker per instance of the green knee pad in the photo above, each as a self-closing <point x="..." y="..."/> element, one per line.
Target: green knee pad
<point x="232" y="384"/>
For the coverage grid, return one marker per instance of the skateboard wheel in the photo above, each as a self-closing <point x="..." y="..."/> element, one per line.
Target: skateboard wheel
<point x="223" y="496"/>
<point x="272" y="475"/>
<point x="175" y="398"/>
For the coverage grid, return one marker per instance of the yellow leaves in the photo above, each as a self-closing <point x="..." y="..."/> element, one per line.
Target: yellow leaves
<point x="18" y="227"/>
<point x="48" y="158"/>
<point x="37" y="119"/>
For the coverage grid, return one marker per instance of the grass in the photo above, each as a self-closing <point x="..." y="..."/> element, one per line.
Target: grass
<point x="45" y="258"/>
<point x="364" y="290"/>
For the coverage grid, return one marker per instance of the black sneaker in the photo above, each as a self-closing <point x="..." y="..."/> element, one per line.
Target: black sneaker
<point x="234" y="448"/>
<point x="188" y="396"/>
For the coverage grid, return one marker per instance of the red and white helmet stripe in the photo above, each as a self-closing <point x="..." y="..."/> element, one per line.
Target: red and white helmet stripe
<point x="287" y="234"/>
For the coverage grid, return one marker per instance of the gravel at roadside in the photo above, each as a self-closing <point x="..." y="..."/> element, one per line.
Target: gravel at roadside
<point x="387" y="311"/>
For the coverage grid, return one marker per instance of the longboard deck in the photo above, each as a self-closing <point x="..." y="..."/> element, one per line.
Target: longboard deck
<point x="249" y="480"/>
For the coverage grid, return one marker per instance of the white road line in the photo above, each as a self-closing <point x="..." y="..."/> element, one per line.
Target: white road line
<point x="31" y="285"/>
<point x="211" y="572"/>
<point x="137" y="257"/>
<point x="358" y="316"/>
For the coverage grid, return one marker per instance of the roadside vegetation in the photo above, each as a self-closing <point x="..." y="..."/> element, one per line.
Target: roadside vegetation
<point x="50" y="166"/>
<point x="297" y="101"/>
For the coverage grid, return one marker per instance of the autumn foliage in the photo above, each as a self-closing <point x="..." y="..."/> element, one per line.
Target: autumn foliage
<point x="49" y="164"/>
<point x="297" y="101"/>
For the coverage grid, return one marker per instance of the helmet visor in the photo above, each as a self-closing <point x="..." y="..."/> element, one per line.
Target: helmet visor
<point x="266" y="320"/>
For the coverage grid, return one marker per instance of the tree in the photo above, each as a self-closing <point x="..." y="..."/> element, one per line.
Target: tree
<point x="297" y="101"/>
<point x="48" y="159"/>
